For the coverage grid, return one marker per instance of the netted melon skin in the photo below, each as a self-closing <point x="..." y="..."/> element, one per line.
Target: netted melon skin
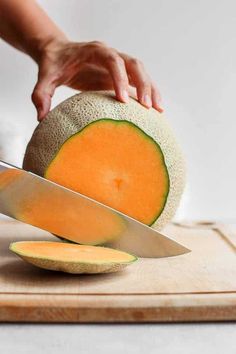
<point x="76" y="112"/>
<point x="75" y="267"/>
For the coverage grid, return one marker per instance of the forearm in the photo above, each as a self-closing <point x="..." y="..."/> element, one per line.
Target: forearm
<point x="25" y="25"/>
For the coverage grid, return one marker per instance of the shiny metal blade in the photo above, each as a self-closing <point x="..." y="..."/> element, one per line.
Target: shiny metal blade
<point x="34" y="200"/>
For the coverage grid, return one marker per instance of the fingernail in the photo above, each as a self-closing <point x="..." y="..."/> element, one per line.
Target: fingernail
<point x="125" y="96"/>
<point x="160" y="109"/>
<point x="147" y="101"/>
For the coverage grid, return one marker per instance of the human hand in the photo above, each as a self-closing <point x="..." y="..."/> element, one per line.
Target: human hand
<point x="91" y="66"/>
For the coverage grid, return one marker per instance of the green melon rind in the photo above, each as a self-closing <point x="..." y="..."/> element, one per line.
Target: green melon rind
<point x="71" y="267"/>
<point x="78" y="111"/>
<point x="140" y="131"/>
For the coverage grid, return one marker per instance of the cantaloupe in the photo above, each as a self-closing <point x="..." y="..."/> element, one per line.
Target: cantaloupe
<point x="72" y="258"/>
<point x="122" y="155"/>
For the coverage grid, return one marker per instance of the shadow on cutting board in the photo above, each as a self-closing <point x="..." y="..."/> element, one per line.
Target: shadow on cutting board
<point x="18" y="276"/>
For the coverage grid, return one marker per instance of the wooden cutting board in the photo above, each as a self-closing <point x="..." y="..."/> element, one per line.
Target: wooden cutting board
<point x="198" y="286"/>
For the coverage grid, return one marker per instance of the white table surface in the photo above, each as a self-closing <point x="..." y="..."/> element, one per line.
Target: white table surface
<point x="196" y="338"/>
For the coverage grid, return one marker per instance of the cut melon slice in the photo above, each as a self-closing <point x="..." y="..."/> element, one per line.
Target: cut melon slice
<point x="71" y="258"/>
<point x="74" y="219"/>
<point x="117" y="164"/>
<point x="7" y="177"/>
<point x="56" y="210"/>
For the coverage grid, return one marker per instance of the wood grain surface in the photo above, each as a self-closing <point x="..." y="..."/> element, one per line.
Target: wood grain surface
<point x="198" y="286"/>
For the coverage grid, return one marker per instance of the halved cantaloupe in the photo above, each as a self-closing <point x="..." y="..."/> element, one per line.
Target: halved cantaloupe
<point x="123" y="155"/>
<point x="72" y="258"/>
<point x="117" y="164"/>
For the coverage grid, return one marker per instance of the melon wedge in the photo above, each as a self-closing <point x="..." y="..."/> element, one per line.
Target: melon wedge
<point x="71" y="258"/>
<point x="116" y="163"/>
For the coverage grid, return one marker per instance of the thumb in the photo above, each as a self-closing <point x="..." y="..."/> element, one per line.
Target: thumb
<point x="42" y="95"/>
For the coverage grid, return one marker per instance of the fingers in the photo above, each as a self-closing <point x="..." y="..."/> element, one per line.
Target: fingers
<point x="97" y="53"/>
<point x="140" y="80"/>
<point x="156" y="99"/>
<point x="147" y="93"/>
<point x="92" y="65"/>
<point x="42" y="95"/>
<point x="125" y="71"/>
<point x="116" y="67"/>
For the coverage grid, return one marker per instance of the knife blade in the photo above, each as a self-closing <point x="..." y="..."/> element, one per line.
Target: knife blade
<point x="34" y="200"/>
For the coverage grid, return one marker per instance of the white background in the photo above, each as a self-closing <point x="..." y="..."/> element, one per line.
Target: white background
<point x="189" y="47"/>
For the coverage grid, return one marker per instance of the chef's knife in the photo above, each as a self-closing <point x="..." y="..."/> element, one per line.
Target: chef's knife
<point x="34" y="200"/>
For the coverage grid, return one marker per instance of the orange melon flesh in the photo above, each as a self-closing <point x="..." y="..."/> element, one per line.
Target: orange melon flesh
<point x="71" y="258"/>
<point x="7" y="177"/>
<point x="117" y="164"/>
<point x="74" y="219"/>
<point x="58" y="211"/>
<point x="70" y="252"/>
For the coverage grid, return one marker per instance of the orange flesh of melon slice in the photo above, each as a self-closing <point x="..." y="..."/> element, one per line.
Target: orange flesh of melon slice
<point x="117" y="164"/>
<point x="7" y="177"/>
<point x="75" y="219"/>
<point x="66" y="252"/>
<point x="58" y="210"/>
